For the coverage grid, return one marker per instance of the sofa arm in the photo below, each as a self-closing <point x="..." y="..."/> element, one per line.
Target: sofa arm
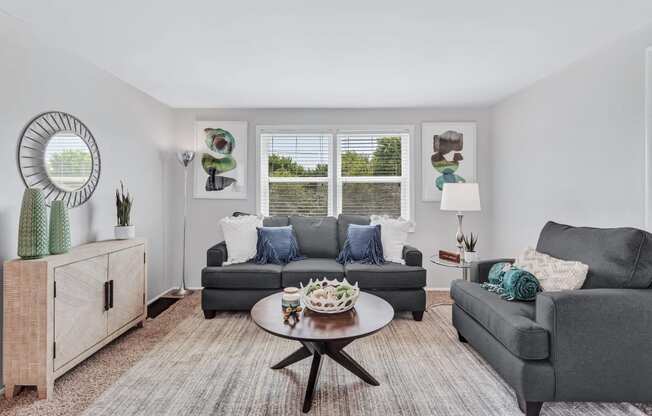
<point x="600" y="343"/>
<point x="480" y="269"/>
<point x="216" y="255"/>
<point x="412" y="256"/>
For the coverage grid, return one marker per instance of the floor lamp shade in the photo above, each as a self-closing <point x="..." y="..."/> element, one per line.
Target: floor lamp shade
<point x="460" y="197"/>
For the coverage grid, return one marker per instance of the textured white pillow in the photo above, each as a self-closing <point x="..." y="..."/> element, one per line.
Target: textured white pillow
<point x="553" y="274"/>
<point x="241" y="237"/>
<point x="393" y="235"/>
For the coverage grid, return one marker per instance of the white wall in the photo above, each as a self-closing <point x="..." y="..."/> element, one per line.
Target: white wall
<point x="435" y="229"/>
<point x="571" y="148"/>
<point x="132" y="131"/>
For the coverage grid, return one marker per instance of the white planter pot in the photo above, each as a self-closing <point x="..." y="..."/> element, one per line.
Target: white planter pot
<point x="125" y="233"/>
<point x="471" y="256"/>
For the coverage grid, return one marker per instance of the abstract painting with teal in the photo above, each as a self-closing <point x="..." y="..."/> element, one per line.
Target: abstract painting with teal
<point x="450" y="143"/>
<point x="222" y="142"/>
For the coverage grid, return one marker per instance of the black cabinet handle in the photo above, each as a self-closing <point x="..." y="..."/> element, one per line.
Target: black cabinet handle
<point x="106" y="296"/>
<point x="110" y="294"/>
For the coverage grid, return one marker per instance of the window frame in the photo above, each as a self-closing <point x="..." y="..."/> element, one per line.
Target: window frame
<point x="334" y="178"/>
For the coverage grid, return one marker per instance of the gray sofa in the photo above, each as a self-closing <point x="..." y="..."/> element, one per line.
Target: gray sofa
<point x="591" y="344"/>
<point x="239" y="286"/>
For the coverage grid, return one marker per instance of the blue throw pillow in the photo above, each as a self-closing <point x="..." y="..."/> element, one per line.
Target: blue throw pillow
<point x="276" y="245"/>
<point x="363" y="244"/>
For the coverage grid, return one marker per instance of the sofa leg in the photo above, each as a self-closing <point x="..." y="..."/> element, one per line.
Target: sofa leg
<point x="461" y="338"/>
<point x="529" y="408"/>
<point x="208" y="314"/>
<point x="417" y="315"/>
<point x="533" y="408"/>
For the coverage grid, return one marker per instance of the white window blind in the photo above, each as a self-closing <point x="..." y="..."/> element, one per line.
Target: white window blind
<point x="295" y="174"/>
<point x="373" y="174"/>
<point x="335" y="171"/>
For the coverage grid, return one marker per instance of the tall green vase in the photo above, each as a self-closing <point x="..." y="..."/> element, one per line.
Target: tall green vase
<point x="59" y="228"/>
<point x="33" y="226"/>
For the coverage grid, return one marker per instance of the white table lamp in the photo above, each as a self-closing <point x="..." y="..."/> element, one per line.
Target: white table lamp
<point x="460" y="197"/>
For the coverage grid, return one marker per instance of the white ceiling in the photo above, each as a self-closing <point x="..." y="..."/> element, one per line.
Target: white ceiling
<point x="334" y="53"/>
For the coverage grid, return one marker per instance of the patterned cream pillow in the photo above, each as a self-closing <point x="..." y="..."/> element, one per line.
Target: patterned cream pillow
<point x="553" y="274"/>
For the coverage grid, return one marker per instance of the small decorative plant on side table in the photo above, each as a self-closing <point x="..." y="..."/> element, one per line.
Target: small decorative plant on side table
<point x="470" y="255"/>
<point x="124" y="201"/>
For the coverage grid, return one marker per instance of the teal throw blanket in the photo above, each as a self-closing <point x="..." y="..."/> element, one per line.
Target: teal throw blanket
<point x="512" y="283"/>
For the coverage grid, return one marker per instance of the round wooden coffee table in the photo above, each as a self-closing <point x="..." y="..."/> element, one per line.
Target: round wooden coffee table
<point x="324" y="334"/>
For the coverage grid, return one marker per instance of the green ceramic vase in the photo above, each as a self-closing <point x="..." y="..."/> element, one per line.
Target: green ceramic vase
<point x="59" y="228"/>
<point x="33" y="227"/>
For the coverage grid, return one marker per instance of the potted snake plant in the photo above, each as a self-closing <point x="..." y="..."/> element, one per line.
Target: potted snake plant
<point x="124" y="230"/>
<point x="470" y="255"/>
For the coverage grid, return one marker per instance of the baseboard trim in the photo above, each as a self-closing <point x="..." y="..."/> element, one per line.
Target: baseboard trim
<point x="437" y="289"/>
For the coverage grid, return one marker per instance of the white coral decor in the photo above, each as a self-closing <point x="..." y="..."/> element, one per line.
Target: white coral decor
<point x="329" y="296"/>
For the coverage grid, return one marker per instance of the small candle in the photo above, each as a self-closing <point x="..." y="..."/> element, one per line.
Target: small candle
<point x="291" y="297"/>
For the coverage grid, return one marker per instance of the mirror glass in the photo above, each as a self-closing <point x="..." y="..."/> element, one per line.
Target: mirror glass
<point x="68" y="161"/>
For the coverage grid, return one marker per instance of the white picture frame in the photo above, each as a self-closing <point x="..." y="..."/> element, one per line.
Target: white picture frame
<point x="236" y="190"/>
<point x="466" y="168"/>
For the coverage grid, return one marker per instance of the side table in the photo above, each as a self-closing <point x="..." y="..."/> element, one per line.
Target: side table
<point x="464" y="266"/>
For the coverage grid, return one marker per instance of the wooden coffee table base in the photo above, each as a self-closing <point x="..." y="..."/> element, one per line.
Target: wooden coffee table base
<point x="333" y="349"/>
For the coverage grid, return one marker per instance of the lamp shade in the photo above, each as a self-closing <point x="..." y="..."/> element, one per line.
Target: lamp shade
<point x="460" y="197"/>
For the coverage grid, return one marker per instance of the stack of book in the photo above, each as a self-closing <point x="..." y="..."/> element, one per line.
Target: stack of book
<point x="449" y="256"/>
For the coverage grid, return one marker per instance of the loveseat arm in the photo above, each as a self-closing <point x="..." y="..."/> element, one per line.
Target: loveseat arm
<point x="412" y="256"/>
<point x="480" y="269"/>
<point x="600" y="343"/>
<point x="216" y="255"/>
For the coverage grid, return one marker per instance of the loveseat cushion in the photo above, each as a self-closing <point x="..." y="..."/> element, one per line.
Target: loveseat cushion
<point x="511" y="323"/>
<point x="385" y="276"/>
<point x="617" y="257"/>
<point x="304" y="270"/>
<point x="317" y="236"/>
<point x="242" y="276"/>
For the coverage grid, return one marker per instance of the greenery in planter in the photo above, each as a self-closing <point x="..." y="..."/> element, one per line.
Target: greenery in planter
<point x="470" y="242"/>
<point x="123" y="204"/>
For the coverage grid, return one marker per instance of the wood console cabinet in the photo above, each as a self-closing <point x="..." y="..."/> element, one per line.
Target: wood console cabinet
<point x="59" y="310"/>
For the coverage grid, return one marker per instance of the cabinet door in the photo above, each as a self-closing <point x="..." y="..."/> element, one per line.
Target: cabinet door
<point x="80" y="320"/>
<point x="127" y="271"/>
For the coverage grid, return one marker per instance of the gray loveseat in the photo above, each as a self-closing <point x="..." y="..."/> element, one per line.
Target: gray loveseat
<point x="240" y="286"/>
<point x="592" y="344"/>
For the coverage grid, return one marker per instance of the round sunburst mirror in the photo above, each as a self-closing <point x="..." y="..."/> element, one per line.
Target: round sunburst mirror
<point x="58" y="154"/>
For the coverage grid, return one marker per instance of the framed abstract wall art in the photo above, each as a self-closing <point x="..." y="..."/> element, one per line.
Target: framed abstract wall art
<point x="220" y="170"/>
<point x="448" y="154"/>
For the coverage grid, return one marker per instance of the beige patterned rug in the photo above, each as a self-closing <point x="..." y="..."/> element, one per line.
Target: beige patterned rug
<point x="221" y="367"/>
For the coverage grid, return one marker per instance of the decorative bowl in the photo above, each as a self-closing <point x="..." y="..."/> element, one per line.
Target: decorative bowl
<point x="329" y="296"/>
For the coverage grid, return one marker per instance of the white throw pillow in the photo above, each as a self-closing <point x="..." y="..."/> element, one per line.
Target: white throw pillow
<point x="393" y="235"/>
<point x="241" y="237"/>
<point x="553" y="274"/>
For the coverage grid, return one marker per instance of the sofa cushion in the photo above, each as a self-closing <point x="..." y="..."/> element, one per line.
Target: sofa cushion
<point x="242" y="276"/>
<point x="511" y="323"/>
<point x="276" y="221"/>
<point x="343" y="221"/>
<point x="617" y="257"/>
<point x="317" y="236"/>
<point x="385" y="276"/>
<point x="304" y="270"/>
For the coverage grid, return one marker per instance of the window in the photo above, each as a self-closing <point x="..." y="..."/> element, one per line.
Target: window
<point x="294" y="174"/>
<point x="334" y="171"/>
<point x="373" y="174"/>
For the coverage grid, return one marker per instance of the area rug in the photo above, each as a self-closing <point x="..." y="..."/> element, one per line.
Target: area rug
<point x="221" y="367"/>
